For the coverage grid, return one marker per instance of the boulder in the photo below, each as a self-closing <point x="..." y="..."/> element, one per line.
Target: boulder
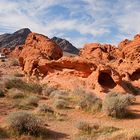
<point x="38" y="47"/>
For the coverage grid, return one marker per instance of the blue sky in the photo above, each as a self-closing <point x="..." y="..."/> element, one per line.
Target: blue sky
<point x="79" y="21"/>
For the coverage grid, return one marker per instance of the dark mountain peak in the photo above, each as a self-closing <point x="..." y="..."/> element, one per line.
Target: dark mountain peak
<point x="23" y="31"/>
<point x="15" y="39"/>
<point x="65" y="45"/>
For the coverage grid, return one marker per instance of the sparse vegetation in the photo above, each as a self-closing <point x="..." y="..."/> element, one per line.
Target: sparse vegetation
<point x="90" y="103"/>
<point x="21" y="85"/>
<point x="17" y="74"/>
<point x="15" y="94"/>
<point x="59" y="94"/>
<point x="130" y="134"/>
<point x="32" y="101"/>
<point x="116" y="104"/>
<point x="84" y="127"/>
<point x="94" y="131"/>
<point x="3" y="133"/>
<point x="24" y="123"/>
<point x="60" y="104"/>
<point x="44" y="108"/>
<point x="48" y="90"/>
<point x="14" y="62"/>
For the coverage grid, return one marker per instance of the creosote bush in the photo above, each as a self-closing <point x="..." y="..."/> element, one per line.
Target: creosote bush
<point x="116" y="104"/>
<point x="21" y="85"/>
<point x="90" y="103"/>
<point x="24" y="123"/>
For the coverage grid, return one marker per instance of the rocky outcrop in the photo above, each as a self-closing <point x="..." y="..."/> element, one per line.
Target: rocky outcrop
<point x="98" y="67"/>
<point x="42" y="59"/>
<point x="97" y="51"/>
<point x="38" y="47"/>
<point x="15" y="39"/>
<point x="65" y="45"/>
<point x="129" y="64"/>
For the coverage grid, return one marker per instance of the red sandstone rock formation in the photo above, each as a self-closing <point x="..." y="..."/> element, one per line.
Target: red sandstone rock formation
<point x="98" y="67"/>
<point x="41" y="57"/>
<point x="129" y="64"/>
<point x="96" y="51"/>
<point x="38" y="47"/>
<point x="15" y="53"/>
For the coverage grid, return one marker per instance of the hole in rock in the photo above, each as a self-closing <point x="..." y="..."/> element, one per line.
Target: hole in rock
<point x="135" y="75"/>
<point x="106" y="80"/>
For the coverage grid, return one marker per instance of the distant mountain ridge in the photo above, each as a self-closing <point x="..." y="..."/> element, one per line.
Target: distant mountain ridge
<point x="19" y="37"/>
<point x="65" y="45"/>
<point x="12" y="40"/>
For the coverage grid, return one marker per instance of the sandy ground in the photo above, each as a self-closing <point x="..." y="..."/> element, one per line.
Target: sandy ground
<point x="65" y="130"/>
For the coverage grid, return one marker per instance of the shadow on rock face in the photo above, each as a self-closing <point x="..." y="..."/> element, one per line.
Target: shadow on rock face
<point x="106" y="80"/>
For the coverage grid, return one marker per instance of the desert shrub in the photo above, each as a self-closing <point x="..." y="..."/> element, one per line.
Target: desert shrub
<point x="116" y="104"/>
<point x="32" y="101"/>
<point x="24" y="122"/>
<point x="60" y="104"/>
<point x="15" y="94"/>
<point x="84" y="127"/>
<point x="130" y="134"/>
<point x="90" y="103"/>
<point x="17" y="74"/>
<point x="2" y="94"/>
<point x="20" y="84"/>
<point x="95" y="130"/>
<point x="48" y="90"/>
<point x="44" y="108"/>
<point x="14" y="62"/>
<point x="59" y="94"/>
<point x="3" y="134"/>
<point x="79" y="91"/>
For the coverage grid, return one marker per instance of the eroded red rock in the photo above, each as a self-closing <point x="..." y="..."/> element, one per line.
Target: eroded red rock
<point x="98" y="67"/>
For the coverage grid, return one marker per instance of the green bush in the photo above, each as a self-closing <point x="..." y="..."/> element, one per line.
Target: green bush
<point x="116" y="104"/>
<point x="90" y="103"/>
<point x="24" y="123"/>
<point x="21" y="85"/>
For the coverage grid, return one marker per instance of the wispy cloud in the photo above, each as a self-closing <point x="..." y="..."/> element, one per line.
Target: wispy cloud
<point x="80" y="21"/>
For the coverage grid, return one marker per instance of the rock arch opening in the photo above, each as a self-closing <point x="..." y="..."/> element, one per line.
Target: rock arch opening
<point x="135" y="75"/>
<point x="106" y="80"/>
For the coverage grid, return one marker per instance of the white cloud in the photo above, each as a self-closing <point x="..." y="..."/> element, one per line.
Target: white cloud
<point x="97" y="18"/>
